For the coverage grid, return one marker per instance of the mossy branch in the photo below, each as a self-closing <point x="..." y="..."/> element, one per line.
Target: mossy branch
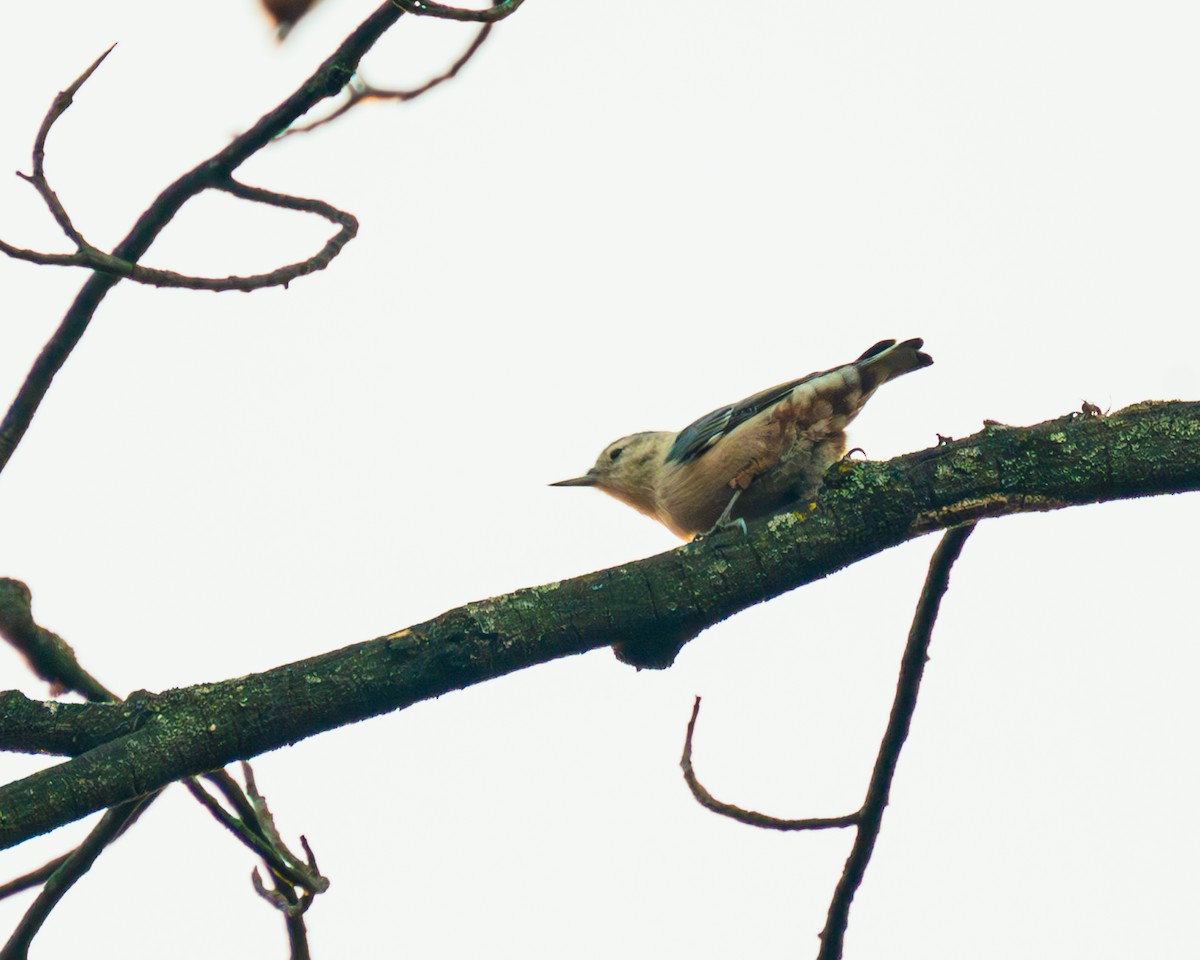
<point x="647" y="609"/>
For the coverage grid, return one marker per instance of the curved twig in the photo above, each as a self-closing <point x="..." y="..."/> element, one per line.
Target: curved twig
<point x="869" y="817"/>
<point x="213" y="172"/>
<point x="52" y="659"/>
<point x="364" y="92"/>
<point x="38" y="177"/>
<point x="421" y="8"/>
<point x="93" y="258"/>
<point x="912" y="668"/>
<point x="250" y="834"/>
<point x="750" y="817"/>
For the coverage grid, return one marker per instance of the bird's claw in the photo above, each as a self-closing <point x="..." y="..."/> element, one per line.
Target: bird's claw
<point x="720" y="527"/>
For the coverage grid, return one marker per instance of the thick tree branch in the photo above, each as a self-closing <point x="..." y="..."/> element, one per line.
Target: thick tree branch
<point x="53" y="659"/>
<point x="649" y="608"/>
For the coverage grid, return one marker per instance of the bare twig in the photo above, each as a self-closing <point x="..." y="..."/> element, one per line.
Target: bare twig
<point x="52" y="658"/>
<point x="48" y="654"/>
<point x="213" y="172"/>
<point x="284" y="898"/>
<point x="38" y="177"/>
<point x="266" y="823"/>
<point x="912" y="668"/>
<point x="232" y="791"/>
<point x="293" y="906"/>
<point x="258" y="837"/>
<point x="868" y="818"/>
<point x="298" y="933"/>
<point x="73" y="866"/>
<point x="751" y="817"/>
<point x="92" y="258"/>
<point x="423" y="9"/>
<point x="359" y="91"/>
<point x="32" y="879"/>
<point x="281" y="898"/>
<point x="256" y="828"/>
<point x="81" y="258"/>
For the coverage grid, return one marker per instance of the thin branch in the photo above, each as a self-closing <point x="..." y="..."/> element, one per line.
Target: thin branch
<point x="364" y="92"/>
<point x="215" y="171"/>
<point x="284" y="898"/>
<point x="77" y="863"/>
<point x="256" y="841"/>
<point x="38" y="177"/>
<point x="281" y="898"/>
<point x="52" y="658"/>
<point x="751" y="817"/>
<point x="35" y="878"/>
<point x="297" y="932"/>
<point x="912" y="668"/>
<point x="92" y="258"/>
<point x="423" y="9"/>
<point x="232" y="792"/>
<point x="48" y="655"/>
<point x="80" y="258"/>
<point x="265" y="822"/>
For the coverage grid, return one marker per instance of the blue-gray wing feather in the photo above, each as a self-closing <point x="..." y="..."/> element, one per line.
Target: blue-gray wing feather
<point x="696" y="438"/>
<point x="873" y="368"/>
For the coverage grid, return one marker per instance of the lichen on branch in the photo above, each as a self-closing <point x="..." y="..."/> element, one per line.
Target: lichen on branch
<point x="648" y="609"/>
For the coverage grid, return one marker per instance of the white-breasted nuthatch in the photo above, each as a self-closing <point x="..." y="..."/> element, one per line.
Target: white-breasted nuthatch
<point x="749" y="459"/>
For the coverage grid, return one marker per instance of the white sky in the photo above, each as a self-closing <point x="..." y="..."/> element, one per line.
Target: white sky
<point x="618" y="218"/>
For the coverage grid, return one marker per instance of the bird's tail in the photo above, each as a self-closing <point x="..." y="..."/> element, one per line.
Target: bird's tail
<point x="888" y="359"/>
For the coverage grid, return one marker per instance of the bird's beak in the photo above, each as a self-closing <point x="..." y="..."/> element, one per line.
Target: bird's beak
<point x="587" y="480"/>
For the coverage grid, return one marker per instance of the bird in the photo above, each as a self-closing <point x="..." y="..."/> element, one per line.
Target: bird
<point x="749" y="459"/>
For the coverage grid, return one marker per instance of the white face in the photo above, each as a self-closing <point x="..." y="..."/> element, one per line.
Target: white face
<point x="628" y="461"/>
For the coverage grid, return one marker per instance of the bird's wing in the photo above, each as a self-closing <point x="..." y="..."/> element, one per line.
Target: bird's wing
<point x="694" y="439"/>
<point x="877" y="365"/>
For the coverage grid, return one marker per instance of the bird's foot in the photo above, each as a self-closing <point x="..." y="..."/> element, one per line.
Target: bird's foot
<point x="721" y="526"/>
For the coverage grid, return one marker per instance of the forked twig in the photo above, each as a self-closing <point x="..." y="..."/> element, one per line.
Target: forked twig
<point x="364" y="92"/>
<point x="213" y="172"/>
<point x="34" y="878"/>
<point x="912" y="669"/>
<point x="256" y="830"/>
<point x="53" y="660"/>
<point x="868" y="818"/>
<point x="38" y="177"/>
<point x="70" y="868"/>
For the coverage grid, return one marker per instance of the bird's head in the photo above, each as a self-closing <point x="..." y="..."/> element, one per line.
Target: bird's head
<point x="628" y="469"/>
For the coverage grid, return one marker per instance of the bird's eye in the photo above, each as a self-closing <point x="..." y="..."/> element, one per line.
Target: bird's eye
<point x="616" y="452"/>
